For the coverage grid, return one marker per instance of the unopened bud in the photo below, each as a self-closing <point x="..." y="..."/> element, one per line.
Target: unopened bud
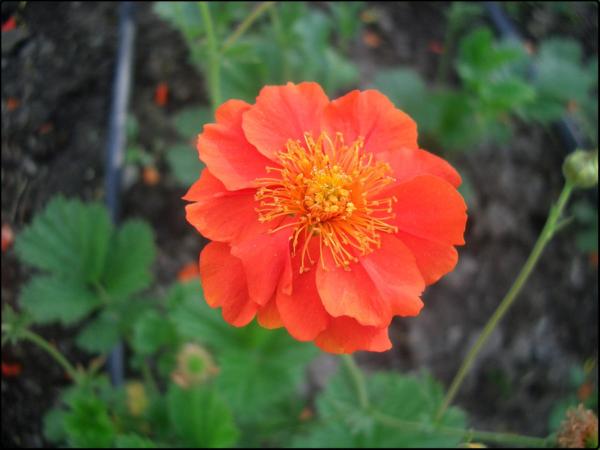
<point x="581" y="168"/>
<point x="194" y="366"/>
<point x="137" y="402"/>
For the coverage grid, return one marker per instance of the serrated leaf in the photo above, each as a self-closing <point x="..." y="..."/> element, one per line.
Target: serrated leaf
<point x="200" y="417"/>
<point x="189" y="122"/>
<point x="54" y="429"/>
<point x="132" y="253"/>
<point x="68" y="238"/>
<point x="101" y="334"/>
<point x="403" y="397"/>
<point x="253" y="379"/>
<point x="88" y="423"/>
<point x="184" y="163"/>
<point x="150" y="332"/>
<point x="132" y="440"/>
<point x="50" y="298"/>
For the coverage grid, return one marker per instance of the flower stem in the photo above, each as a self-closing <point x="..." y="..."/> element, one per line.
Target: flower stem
<point x="214" y="68"/>
<point x="500" y="438"/>
<point x="358" y="380"/>
<point x="545" y="236"/>
<point x="246" y="23"/>
<point x="52" y="351"/>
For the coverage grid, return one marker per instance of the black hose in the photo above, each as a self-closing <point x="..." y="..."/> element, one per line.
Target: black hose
<point x="116" y="143"/>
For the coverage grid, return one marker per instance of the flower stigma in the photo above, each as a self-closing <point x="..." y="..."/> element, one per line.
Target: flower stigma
<point x="331" y="191"/>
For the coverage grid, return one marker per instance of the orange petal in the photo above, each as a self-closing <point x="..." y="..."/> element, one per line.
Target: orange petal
<point x="430" y="208"/>
<point x="224" y="284"/>
<point x="373" y="116"/>
<point x="346" y="335"/>
<point x="263" y="256"/>
<point x="302" y="312"/>
<point x="282" y="113"/>
<point x="434" y="259"/>
<point x="351" y="293"/>
<point x="407" y="163"/>
<point x="217" y="213"/>
<point x="226" y="152"/>
<point x="395" y="274"/>
<point x="268" y="316"/>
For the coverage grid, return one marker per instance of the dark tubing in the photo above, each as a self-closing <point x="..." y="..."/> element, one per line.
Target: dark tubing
<point x="568" y="130"/>
<point x="116" y="142"/>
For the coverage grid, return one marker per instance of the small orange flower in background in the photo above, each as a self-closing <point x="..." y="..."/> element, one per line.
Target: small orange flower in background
<point x="188" y="272"/>
<point x="326" y="217"/>
<point x="161" y="94"/>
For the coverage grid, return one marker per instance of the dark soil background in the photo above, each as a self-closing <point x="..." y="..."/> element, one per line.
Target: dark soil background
<point x="59" y="63"/>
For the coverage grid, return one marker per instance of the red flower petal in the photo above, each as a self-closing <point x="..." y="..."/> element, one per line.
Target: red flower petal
<point x="407" y="163"/>
<point x="224" y="284"/>
<point x="226" y="152"/>
<point x="217" y="213"/>
<point x="430" y="208"/>
<point x="395" y="274"/>
<point x="272" y="250"/>
<point x="302" y="312"/>
<point x="433" y="258"/>
<point x="371" y="115"/>
<point x="282" y="113"/>
<point x="346" y="335"/>
<point x="268" y="316"/>
<point x="351" y="293"/>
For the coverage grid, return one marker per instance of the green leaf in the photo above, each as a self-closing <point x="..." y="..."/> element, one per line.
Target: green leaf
<point x="255" y="378"/>
<point x="132" y="440"/>
<point x="505" y="95"/>
<point x="183" y="16"/>
<point x="151" y="331"/>
<point x="67" y="238"/>
<point x="407" y="90"/>
<point x="184" y="163"/>
<point x="200" y="417"/>
<point x="195" y="320"/>
<point x="132" y="253"/>
<point x="88" y="423"/>
<point x="50" y="298"/>
<point x="101" y="334"/>
<point x="189" y="122"/>
<point x="54" y="429"/>
<point x="403" y="397"/>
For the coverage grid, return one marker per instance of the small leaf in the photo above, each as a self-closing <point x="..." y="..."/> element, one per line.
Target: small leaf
<point x="189" y="122"/>
<point x="150" y="332"/>
<point x="54" y="429"/>
<point x="50" y="298"/>
<point x="200" y="417"/>
<point x="101" y="334"/>
<point x="184" y="163"/>
<point x="132" y="252"/>
<point x="67" y="238"/>
<point x="88" y="423"/>
<point x="132" y="440"/>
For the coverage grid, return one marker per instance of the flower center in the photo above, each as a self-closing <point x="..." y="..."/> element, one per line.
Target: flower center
<point x="330" y="190"/>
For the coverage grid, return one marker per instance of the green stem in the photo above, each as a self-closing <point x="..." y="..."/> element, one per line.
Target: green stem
<point x="358" y="380"/>
<point x="500" y="438"/>
<point x="449" y="39"/>
<point x="52" y="351"/>
<point x="545" y="236"/>
<point x="214" y="78"/>
<point x="245" y="24"/>
<point x="148" y="377"/>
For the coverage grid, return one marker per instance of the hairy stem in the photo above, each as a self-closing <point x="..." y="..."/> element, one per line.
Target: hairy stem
<point x="545" y="236"/>
<point x="246" y="23"/>
<point x="52" y="351"/>
<point x="358" y="379"/>
<point x="214" y="63"/>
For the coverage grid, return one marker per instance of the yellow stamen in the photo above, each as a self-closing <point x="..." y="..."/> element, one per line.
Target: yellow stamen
<point x="327" y="187"/>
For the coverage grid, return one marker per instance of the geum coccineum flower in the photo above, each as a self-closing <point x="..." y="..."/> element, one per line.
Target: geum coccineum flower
<point x="326" y="217"/>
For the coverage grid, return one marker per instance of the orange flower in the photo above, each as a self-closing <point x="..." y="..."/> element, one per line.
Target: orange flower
<point x="326" y="217"/>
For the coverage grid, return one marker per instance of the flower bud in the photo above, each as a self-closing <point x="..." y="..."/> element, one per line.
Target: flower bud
<point x="137" y="401"/>
<point x="579" y="429"/>
<point x="581" y="168"/>
<point x="194" y="366"/>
